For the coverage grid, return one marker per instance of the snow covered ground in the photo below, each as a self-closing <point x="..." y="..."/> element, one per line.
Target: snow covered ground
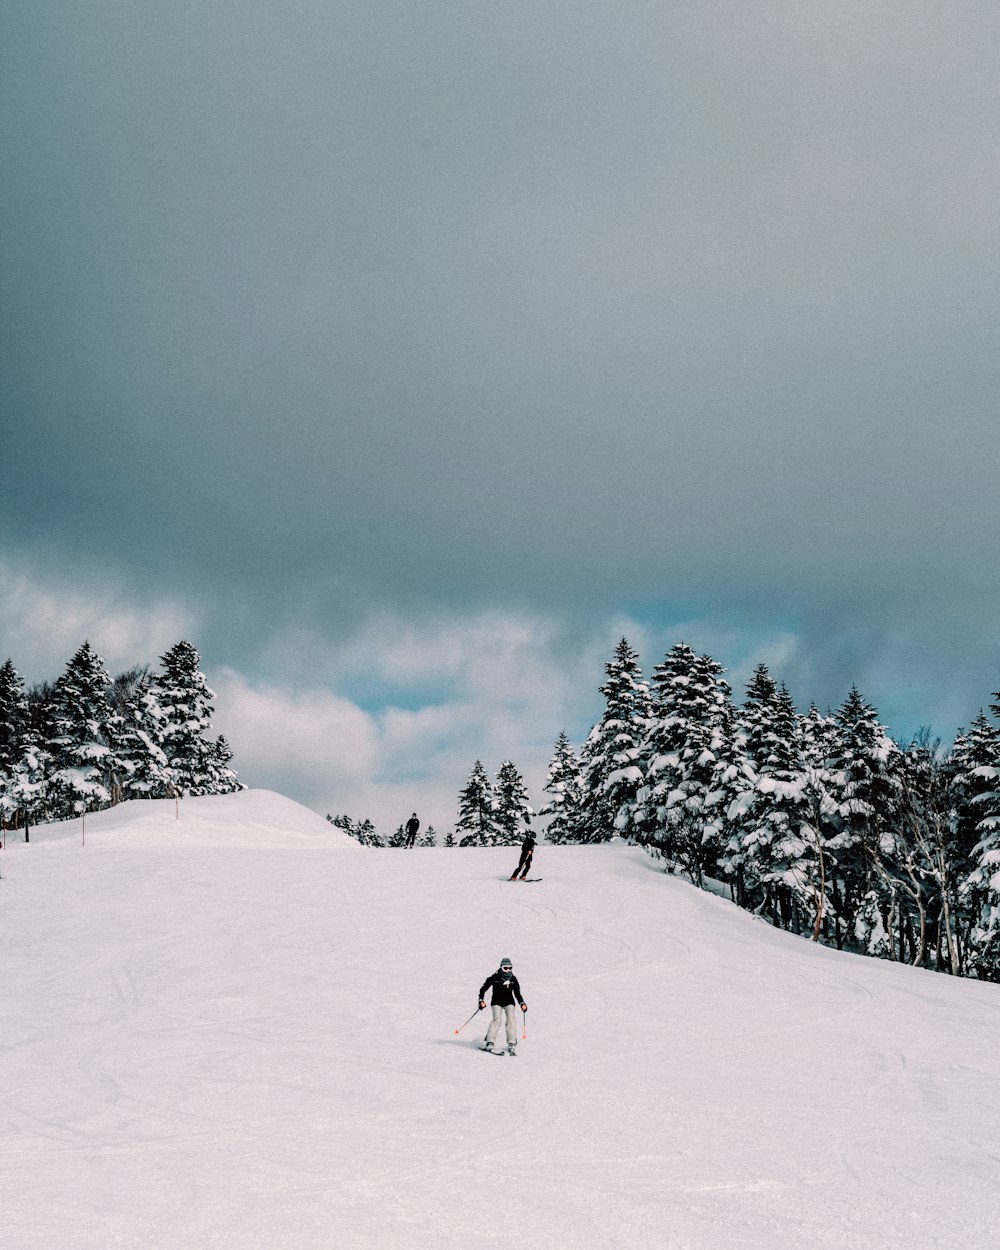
<point x="236" y="1030"/>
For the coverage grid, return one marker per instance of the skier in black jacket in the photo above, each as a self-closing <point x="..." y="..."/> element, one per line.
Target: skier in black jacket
<point x="412" y="825"/>
<point x="527" y="850"/>
<point x="505" y="990"/>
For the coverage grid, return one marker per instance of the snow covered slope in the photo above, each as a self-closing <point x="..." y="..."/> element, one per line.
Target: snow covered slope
<point x="251" y="818"/>
<point x="208" y="1040"/>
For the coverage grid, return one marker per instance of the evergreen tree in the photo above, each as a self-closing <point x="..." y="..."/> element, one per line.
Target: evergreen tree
<point x="137" y="729"/>
<point x="223" y="777"/>
<point x="982" y="884"/>
<point x="612" y="764"/>
<point x="26" y="796"/>
<point x="866" y="788"/>
<point x="972" y="749"/>
<point x="510" y="805"/>
<point x="782" y="850"/>
<point x="78" y="744"/>
<point x="974" y="755"/>
<point x="739" y="772"/>
<point x="41" y="704"/>
<point x="362" y="831"/>
<point x="13" y="727"/>
<point x="757" y="718"/>
<point x="676" y="810"/>
<point x="820" y="739"/>
<point x="918" y="858"/>
<point x="186" y="702"/>
<point x="565" y="784"/>
<point x="869" y="927"/>
<point x="366" y="833"/>
<point x="475" y="810"/>
<point x="13" y="717"/>
<point x="732" y="794"/>
<point x="428" y="837"/>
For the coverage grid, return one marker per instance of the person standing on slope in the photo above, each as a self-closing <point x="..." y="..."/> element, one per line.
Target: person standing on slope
<point x="412" y="825"/>
<point x="505" y="990"/>
<point x="527" y="850"/>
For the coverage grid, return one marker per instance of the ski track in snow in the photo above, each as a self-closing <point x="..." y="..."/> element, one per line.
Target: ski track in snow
<point x="237" y="1030"/>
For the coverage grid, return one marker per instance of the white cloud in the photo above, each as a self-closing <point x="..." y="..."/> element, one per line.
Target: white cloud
<point x="490" y="686"/>
<point x="307" y="738"/>
<point x="43" y="621"/>
<point x="392" y="717"/>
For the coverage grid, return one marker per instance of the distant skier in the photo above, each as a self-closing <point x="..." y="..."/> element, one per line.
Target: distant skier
<point x="412" y="825"/>
<point x="527" y="850"/>
<point x="505" y="990"/>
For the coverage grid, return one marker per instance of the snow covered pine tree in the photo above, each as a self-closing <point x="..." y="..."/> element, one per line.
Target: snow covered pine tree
<point x="676" y="808"/>
<point x="612" y="767"/>
<point x="197" y="765"/>
<point x="510" y="805"/>
<point x="565" y="784"/>
<point x="475" y="825"/>
<point x="78" y="743"/>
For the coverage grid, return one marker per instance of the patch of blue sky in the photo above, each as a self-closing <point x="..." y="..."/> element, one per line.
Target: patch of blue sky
<point x="376" y="695"/>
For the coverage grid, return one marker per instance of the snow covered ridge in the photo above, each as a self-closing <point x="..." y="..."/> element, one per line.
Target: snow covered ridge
<point x="250" y="819"/>
<point x="221" y="1031"/>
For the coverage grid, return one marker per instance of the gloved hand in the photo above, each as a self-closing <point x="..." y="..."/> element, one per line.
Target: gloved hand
<point x="524" y="1006"/>
<point x="481" y="1004"/>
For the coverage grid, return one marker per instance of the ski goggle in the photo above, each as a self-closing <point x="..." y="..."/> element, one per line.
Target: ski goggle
<point x="506" y="968"/>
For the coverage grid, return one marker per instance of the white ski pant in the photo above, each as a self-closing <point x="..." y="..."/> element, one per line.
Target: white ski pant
<point x="498" y="1018"/>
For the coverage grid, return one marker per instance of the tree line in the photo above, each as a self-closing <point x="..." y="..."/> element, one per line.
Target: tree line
<point x="489" y="814"/>
<point x="820" y="822"/>
<point x="366" y="833"/>
<point x="88" y="741"/>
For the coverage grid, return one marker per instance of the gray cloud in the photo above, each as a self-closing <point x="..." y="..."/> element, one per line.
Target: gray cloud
<point x="314" y="310"/>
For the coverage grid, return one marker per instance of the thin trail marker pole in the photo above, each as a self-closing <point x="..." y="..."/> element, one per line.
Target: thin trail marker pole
<point x="469" y="1021"/>
<point x="83" y="827"/>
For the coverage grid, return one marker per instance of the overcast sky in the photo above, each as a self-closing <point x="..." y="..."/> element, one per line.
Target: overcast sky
<point x="404" y="354"/>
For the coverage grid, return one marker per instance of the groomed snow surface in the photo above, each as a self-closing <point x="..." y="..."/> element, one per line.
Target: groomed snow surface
<point x="237" y="1029"/>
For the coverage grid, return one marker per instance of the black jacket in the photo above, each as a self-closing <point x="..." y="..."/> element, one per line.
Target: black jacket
<point x="505" y="989"/>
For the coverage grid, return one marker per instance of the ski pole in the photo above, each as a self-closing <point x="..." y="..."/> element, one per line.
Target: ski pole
<point x="470" y="1019"/>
